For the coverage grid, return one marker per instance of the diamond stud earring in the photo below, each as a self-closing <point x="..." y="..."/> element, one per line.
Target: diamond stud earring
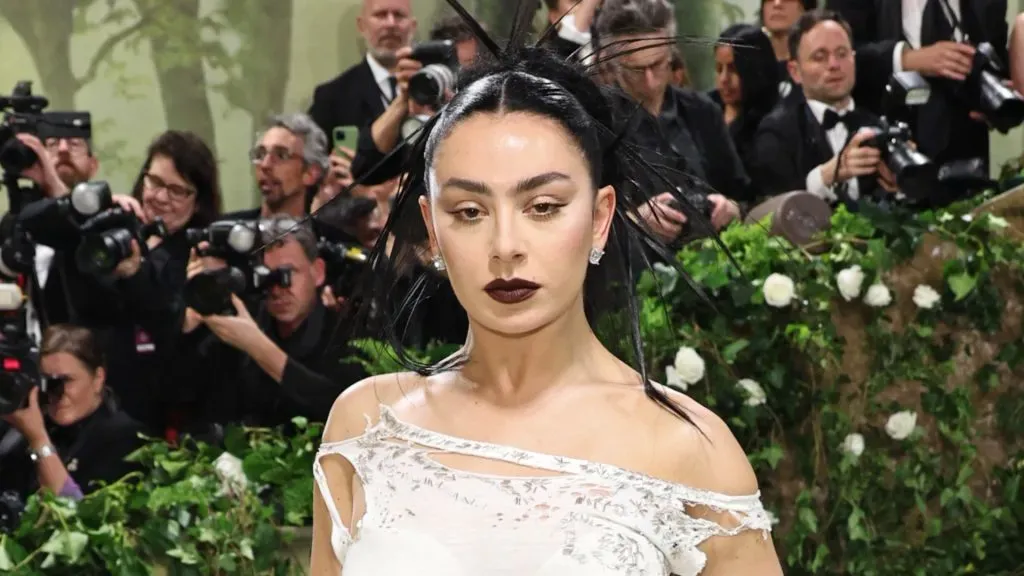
<point x="595" y="256"/>
<point x="438" y="263"/>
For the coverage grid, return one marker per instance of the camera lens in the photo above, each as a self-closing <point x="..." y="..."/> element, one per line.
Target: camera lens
<point x="209" y="292"/>
<point x="14" y="390"/>
<point x="428" y="86"/>
<point x="101" y="253"/>
<point x="16" y="157"/>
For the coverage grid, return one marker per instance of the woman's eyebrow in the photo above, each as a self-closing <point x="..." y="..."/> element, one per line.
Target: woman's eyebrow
<point x="524" y="185"/>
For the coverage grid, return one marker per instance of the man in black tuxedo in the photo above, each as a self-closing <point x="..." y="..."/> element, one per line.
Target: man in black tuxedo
<point x="360" y="94"/>
<point x="934" y="38"/>
<point x="797" y="146"/>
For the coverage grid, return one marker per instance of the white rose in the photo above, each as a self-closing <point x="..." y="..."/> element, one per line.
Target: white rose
<point x="229" y="469"/>
<point x="926" y="297"/>
<point x="853" y="444"/>
<point x="673" y="379"/>
<point x="778" y="290"/>
<point x="755" y="394"/>
<point x="878" y="296"/>
<point x="689" y="366"/>
<point x="667" y="277"/>
<point x="849" y="281"/>
<point x="901" y="424"/>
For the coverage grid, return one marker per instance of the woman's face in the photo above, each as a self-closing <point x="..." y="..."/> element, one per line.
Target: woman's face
<point x="166" y="194"/>
<point x="513" y="199"/>
<point x="82" y="387"/>
<point x="727" y="80"/>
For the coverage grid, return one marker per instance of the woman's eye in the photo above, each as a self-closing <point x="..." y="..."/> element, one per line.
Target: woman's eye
<point x="468" y="213"/>
<point x="545" y="208"/>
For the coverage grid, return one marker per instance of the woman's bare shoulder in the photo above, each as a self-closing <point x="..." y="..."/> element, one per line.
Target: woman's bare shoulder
<point x="707" y="455"/>
<point x="359" y="405"/>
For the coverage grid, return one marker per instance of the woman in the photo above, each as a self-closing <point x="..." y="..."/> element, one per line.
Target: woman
<point x="79" y="436"/>
<point x="534" y="450"/>
<point x="746" y="83"/>
<point x="179" y="184"/>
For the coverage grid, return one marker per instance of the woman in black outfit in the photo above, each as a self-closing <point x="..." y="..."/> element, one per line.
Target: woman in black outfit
<point x="746" y="81"/>
<point x="179" y="184"/>
<point x="73" y="435"/>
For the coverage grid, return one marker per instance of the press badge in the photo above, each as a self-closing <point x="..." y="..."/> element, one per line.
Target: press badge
<point x="143" y="342"/>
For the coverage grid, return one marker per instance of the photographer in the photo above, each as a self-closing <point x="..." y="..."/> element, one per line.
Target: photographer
<point x="797" y="146"/>
<point x="938" y="39"/>
<point x="410" y="108"/>
<point x="179" y="185"/>
<point x="286" y="361"/>
<point x="74" y="435"/>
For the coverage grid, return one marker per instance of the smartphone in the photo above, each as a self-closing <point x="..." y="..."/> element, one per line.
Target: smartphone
<point x="347" y="136"/>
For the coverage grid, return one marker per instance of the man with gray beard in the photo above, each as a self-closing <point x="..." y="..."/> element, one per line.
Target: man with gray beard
<point x="360" y="94"/>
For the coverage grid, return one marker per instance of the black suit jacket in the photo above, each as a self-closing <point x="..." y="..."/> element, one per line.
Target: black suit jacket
<point x="790" y="143"/>
<point x="351" y="99"/>
<point x="877" y="28"/>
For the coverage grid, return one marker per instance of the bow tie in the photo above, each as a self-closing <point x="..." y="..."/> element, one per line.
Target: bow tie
<point x="832" y="118"/>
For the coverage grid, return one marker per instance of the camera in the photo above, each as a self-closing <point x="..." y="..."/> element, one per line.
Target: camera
<point x="19" y="360"/>
<point x="11" y="508"/>
<point x="209" y="292"/>
<point x="107" y="239"/>
<point x="344" y="262"/>
<point x="916" y="175"/>
<point x="983" y="90"/>
<point x="229" y="240"/>
<point x="26" y="116"/>
<point x="429" y="86"/>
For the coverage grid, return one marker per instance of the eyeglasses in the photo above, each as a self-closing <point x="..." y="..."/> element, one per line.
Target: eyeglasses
<point x="77" y="146"/>
<point x="176" y="191"/>
<point x="277" y="154"/>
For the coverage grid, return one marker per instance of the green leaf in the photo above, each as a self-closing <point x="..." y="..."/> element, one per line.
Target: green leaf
<point x="732" y="350"/>
<point x="961" y="284"/>
<point x="855" y="526"/>
<point x="67" y="544"/>
<point x="809" y="519"/>
<point x="173" y="467"/>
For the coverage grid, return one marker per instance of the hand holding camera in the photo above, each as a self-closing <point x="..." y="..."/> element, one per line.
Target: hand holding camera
<point x="944" y="59"/>
<point x="858" y="159"/>
<point x="29" y="420"/>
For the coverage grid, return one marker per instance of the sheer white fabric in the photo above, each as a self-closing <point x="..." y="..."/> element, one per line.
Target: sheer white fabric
<point x="587" y="519"/>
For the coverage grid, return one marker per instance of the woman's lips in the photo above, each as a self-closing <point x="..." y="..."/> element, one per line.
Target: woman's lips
<point x="511" y="291"/>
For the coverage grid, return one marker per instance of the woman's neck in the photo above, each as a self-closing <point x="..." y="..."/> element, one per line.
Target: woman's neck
<point x="517" y="369"/>
<point x="731" y="113"/>
<point x="780" y="45"/>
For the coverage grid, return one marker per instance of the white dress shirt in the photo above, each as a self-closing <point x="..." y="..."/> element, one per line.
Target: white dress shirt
<point x="383" y="79"/>
<point x="836" y="139"/>
<point x="913" y="16"/>
<point x="43" y="260"/>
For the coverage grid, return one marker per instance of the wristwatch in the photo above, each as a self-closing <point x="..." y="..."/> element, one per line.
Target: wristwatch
<point x="44" y="451"/>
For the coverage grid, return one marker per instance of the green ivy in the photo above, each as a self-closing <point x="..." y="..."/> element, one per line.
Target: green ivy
<point x="176" y="513"/>
<point x="931" y="503"/>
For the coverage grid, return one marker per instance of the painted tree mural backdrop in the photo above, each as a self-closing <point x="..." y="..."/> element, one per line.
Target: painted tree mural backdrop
<point x="220" y="67"/>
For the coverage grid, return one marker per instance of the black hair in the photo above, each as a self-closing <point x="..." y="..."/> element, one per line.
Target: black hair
<point x="533" y="80"/>
<point x="194" y="160"/>
<point x="757" y="68"/>
<point x="808" y="6"/>
<point x="807" y="22"/>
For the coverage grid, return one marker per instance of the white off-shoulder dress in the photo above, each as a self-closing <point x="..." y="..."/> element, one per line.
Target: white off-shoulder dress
<point x="583" y="518"/>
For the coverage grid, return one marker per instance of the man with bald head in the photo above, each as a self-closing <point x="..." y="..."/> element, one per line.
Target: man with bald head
<point x="360" y="94"/>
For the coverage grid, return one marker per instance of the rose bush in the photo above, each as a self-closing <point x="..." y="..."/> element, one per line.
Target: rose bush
<point x="878" y="384"/>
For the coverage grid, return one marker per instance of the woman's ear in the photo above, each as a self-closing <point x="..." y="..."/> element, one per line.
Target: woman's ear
<point x="428" y="222"/>
<point x="604" y="212"/>
<point x="99" y="379"/>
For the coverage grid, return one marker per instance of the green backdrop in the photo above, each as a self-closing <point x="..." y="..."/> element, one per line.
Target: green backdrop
<point x="213" y="66"/>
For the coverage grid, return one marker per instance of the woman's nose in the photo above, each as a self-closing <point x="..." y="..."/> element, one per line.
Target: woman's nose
<point x="507" y="245"/>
